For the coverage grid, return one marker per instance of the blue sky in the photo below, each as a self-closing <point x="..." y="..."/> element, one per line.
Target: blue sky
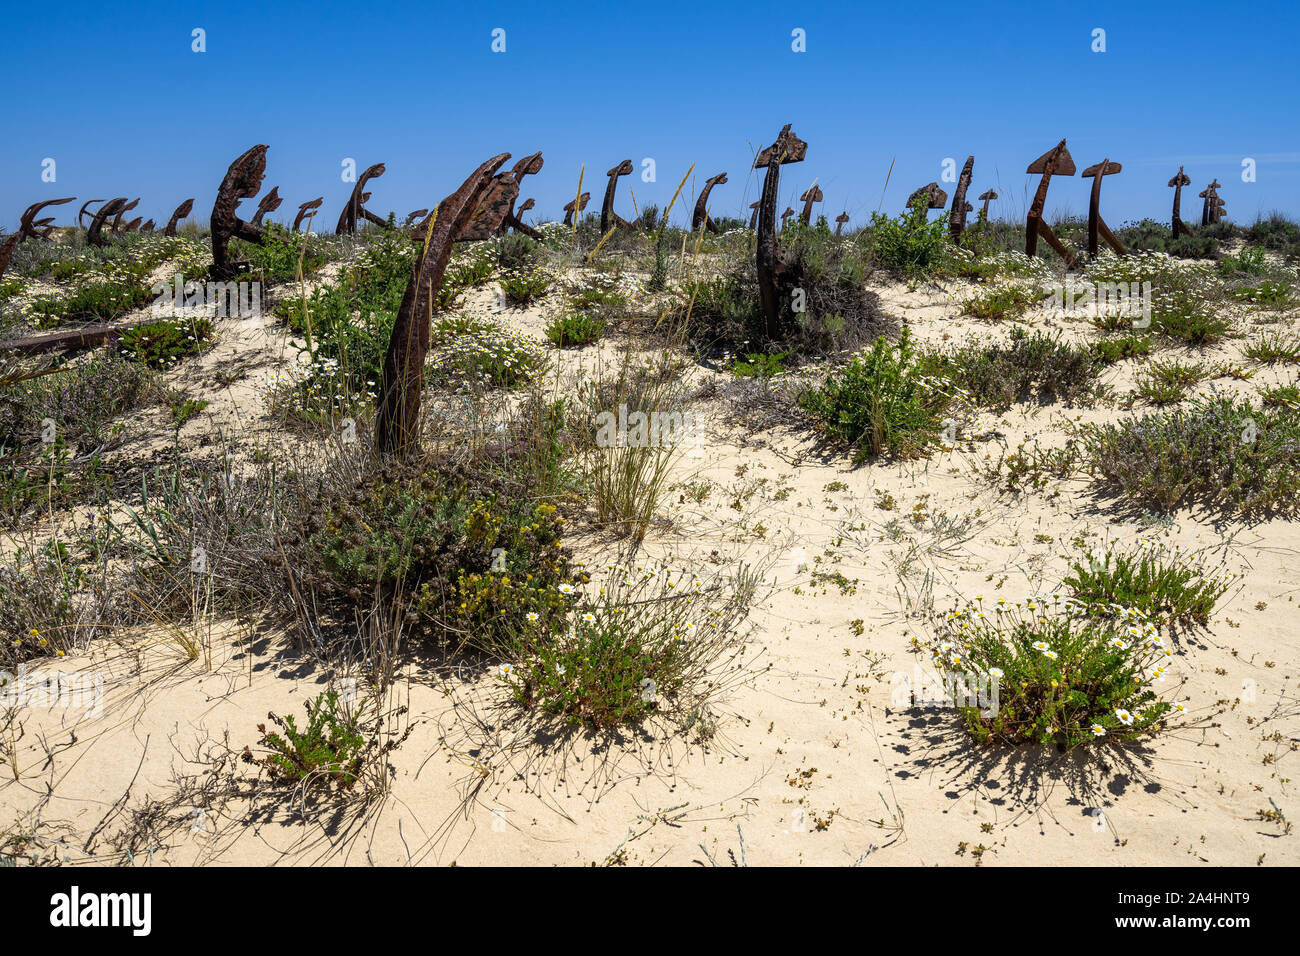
<point x="115" y="95"/>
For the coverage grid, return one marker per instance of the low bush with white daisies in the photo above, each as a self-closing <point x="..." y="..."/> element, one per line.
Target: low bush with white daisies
<point x="634" y="642"/>
<point x="1063" y="673"/>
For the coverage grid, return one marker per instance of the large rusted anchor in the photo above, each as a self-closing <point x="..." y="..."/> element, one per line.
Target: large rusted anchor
<point x="486" y="220"/>
<point x="811" y="195"/>
<point x="934" y="196"/>
<point x="609" y="218"/>
<point x="528" y="166"/>
<point x="110" y="208"/>
<point x="840" y="220"/>
<point x="81" y="215"/>
<point x="356" y="210"/>
<point x="960" y="207"/>
<point x="1178" y="182"/>
<point x="701" y="213"/>
<point x="397" y="421"/>
<point x="243" y="180"/>
<point x="772" y="274"/>
<point x="308" y="209"/>
<point x="1056" y="161"/>
<point x="180" y="213"/>
<point x="29" y="227"/>
<point x="270" y="203"/>
<point x="568" y="207"/>
<point x="1211" y="210"/>
<point x="1096" y="225"/>
<point x="413" y="215"/>
<point x="117" y="220"/>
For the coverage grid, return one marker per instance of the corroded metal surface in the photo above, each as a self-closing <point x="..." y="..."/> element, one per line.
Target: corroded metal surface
<point x="355" y="209"/>
<point x="7" y="248"/>
<point x="935" y="197"/>
<point x="397" y="421"/>
<point x="810" y="196"/>
<point x="309" y="209"/>
<point x="489" y="216"/>
<point x="110" y="208"/>
<point x="840" y="220"/>
<point x="270" y="203"/>
<point x="515" y="220"/>
<point x="81" y="215"/>
<point x="528" y="166"/>
<point x="609" y="218"/>
<point x="28" y="226"/>
<point x="1056" y="161"/>
<point x="960" y="207"/>
<point x="180" y="213"/>
<point x="1178" y="182"/>
<point x="1096" y="225"/>
<point x="753" y="217"/>
<point x="117" y="220"/>
<point x="701" y="214"/>
<point x="987" y="196"/>
<point x="772" y="274"/>
<point x="568" y="207"/>
<point x="243" y="180"/>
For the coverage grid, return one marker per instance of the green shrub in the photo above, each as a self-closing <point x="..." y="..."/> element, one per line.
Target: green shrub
<point x="276" y="258"/>
<point x="469" y="561"/>
<point x="759" y="365"/>
<point x="84" y="399"/>
<point x="330" y="750"/>
<point x="571" y="329"/>
<point x="484" y="354"/>
<point x="1028" y="366"/>
<point x="1167" y="586"/>
<point x="1164" y="383"/>
<point x="96" y="301"/>
<point x="1062" y="676"/>
<point x="882" y="402"/>
<point x="1273" y="347"/>
<point x="1112" y="350"/>
<point x="164" y="343"/>
<point x="1217" y="452"/>
<point x="522" y="286"/>
<point x="911" y="244"/>
<point x="646" y="644"/>
<point x="1249" y="261"/>
<point x="1268" y="295"/>
<point x="1005" y="302"/>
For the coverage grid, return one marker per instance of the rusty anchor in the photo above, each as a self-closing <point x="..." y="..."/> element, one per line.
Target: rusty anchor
<point x="701" y="214"/>
<point x="1056" y="161"/>
<point x="1096" y="225"/>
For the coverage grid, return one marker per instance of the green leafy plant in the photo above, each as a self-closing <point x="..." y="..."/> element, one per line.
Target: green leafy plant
<point x="1062" y="676"/>
<point x="1217" y="452"/>
<point x="1027" y="366"/>
<point x="570" y="329"/>
<point x="331" y="749"/>
<point x="164" y="343"/>
<point x="912" y="243"/>
<point x="1167" y="585"/>
<point x="643" y="644"/>
<point x="882" y="402"/>
<point x="522" y="286"/>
